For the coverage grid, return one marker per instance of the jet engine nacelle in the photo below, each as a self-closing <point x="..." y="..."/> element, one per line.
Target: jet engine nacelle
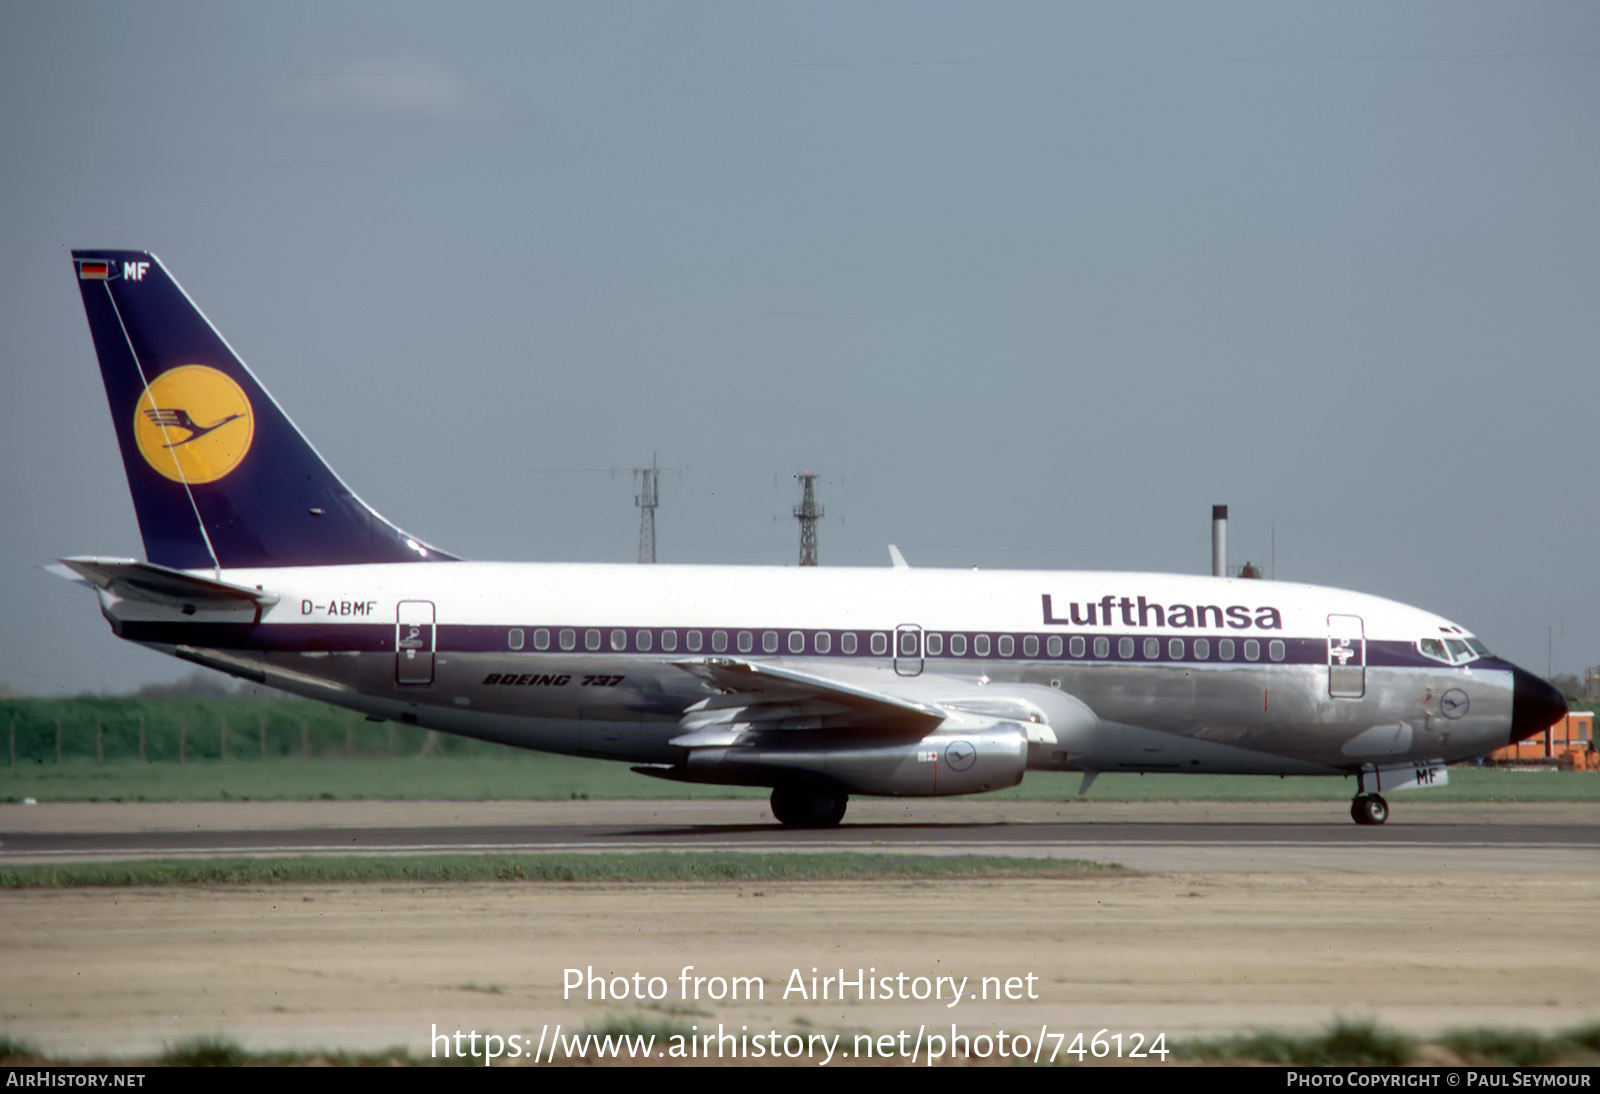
<point x="1063" y="731"/>
<point x="965" y="755"/>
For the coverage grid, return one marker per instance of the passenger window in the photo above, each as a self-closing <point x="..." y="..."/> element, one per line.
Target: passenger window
<point x="847" y="643"/>
<point x="1052" y="645"/>
<point x="1252" y="650"/>
<point x="980" y="645"/>
<point x="641" y="641"/>
<point x="568" y="638"/>
<point x="619" y="639"/>
<point x="908" y="644"/>
<point x="1275" y="649"/>
<point x="747" y="642"/>
<point x="824" y="641"/>
<point x="880" y="643"/>
<point x="1202" y="649"/>
<point x="719" y="641"/>
<point x="541" y="639"/>
<point x="1152" y="648"/>
<point x="693" y="640"/>
<point x="769" y="641"/>
<point x="1102" y="647"/>
<point x="935" y="644"/>
<point x="591" y="639"/>
<point x="797" y="642"/>
<point x="1007" y="646"/>
<point x="1076" y="646"/>
<point x="514" y="638"/>
<point x="958" y="645"/>
<point x="1175" y="649"/>
<point x="669" y="640"/>
<point x="1225" y="649"/>
<point x="1125" y="648"/>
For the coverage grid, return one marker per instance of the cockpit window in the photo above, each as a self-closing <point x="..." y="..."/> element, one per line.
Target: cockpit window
<point x="1432" y="647"/>
<point x="1452" y="651"/>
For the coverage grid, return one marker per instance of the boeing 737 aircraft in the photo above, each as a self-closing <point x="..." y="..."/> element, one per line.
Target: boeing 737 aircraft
<point x="817" y="683"/>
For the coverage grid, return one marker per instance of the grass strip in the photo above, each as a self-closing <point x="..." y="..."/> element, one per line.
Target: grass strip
<point x="640" y="867"/>
<point x="1349" y="1043"/>
<point x="1346" y="1044"/>
<point x="1524" y="1048"/>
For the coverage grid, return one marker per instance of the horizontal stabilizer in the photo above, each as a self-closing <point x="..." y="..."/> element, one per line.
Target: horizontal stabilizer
<point x="134" y="580"/>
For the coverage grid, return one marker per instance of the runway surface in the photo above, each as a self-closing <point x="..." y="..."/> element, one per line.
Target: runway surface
<point x="1181" y="836"/>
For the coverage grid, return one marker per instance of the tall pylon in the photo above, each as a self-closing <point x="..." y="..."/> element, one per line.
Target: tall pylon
<point x="808" y="512"/>
<point x="648" y="480"/>
<point x="648" y="497"/>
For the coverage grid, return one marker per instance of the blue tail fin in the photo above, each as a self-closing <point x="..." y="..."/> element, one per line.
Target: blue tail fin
<point x="220" y="477"/>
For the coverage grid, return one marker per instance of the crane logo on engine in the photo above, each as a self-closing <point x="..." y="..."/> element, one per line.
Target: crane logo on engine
<point x="960" y="755"/>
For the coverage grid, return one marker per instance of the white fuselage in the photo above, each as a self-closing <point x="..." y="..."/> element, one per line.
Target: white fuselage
<point x="1175" y="672"/>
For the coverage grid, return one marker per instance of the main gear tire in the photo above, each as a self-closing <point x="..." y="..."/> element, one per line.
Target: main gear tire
<point x="1369" y="809"/>
<point x="808" y="806"/>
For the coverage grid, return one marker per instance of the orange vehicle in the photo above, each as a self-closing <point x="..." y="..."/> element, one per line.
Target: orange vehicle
<point x="1568" y="744"/>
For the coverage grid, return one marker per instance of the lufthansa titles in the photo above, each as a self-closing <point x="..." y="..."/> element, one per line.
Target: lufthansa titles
<point x="1142" y="613"/>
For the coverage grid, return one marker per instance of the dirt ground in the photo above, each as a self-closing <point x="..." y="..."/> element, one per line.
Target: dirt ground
<point x="362" y="967"/>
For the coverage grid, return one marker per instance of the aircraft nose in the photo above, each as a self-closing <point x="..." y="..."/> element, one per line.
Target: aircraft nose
<point x="1535" y="705"/>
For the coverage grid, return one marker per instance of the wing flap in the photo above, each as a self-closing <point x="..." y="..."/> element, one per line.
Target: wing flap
<point x="759" y="697"/>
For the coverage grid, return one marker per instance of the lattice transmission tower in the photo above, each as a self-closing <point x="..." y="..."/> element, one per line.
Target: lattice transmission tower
<point x="648" y="497"/>
<point x="808" y="512"/>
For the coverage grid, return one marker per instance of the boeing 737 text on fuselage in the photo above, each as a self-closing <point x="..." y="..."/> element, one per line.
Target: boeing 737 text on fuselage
<point x="816" y="682"/>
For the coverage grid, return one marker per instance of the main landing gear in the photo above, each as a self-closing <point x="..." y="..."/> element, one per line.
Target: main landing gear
<point x="1369" y="809"/>
<point x="799" y="806"/>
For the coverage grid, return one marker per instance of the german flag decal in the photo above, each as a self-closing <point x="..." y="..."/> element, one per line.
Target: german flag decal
<point x="93" y="270"/>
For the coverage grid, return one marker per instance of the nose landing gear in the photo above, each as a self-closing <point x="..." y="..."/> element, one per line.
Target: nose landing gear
<point x="1369" y="809"/>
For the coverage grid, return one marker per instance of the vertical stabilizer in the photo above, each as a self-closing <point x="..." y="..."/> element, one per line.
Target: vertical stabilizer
<point x="220" y="476"/>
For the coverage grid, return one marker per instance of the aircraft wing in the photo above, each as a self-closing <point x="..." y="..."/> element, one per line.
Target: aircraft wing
<point x="757" y="697"/>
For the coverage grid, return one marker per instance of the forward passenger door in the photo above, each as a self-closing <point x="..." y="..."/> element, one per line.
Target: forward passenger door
<point x="1347" y="657"/>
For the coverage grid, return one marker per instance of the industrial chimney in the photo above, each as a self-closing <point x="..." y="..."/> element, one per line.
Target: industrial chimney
<point x="1219" y="541"/>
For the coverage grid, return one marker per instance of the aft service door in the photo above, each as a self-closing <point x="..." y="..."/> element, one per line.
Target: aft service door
<point x="908" y="649"/>
<point x="413" y="642"/>
<point x="1347" y="657"/>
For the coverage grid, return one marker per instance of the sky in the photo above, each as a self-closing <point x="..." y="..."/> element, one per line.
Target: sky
<point x="1029" y="285"/>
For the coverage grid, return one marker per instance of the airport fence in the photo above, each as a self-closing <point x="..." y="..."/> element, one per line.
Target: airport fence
<point x="185" y="730"/>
